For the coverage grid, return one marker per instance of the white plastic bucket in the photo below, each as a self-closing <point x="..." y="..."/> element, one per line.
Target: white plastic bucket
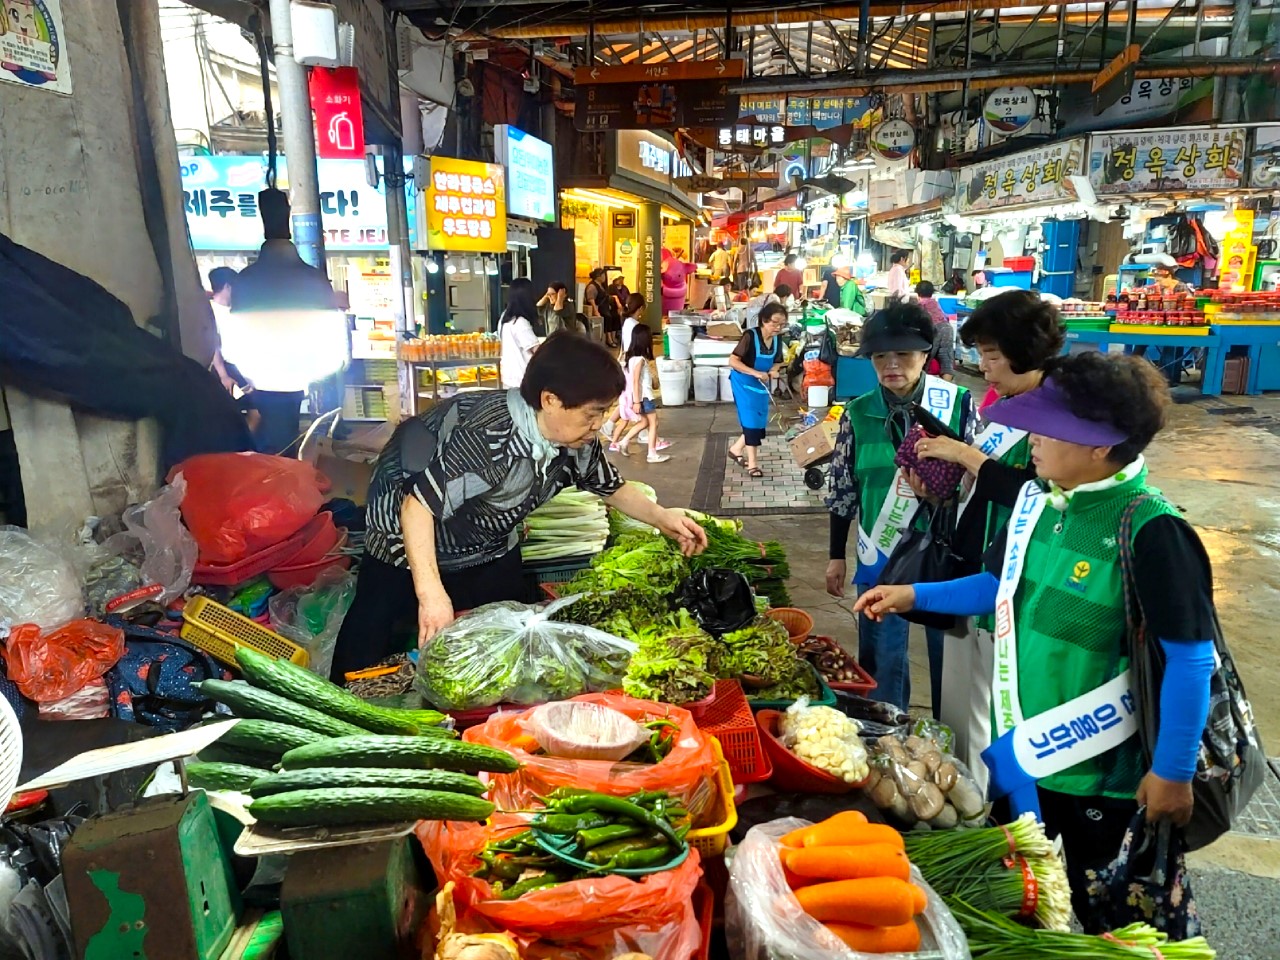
<point x="705" y="383"/>
<point x="819" y="396"/>
<point x="726" y="387"/>
<point x="680" y="340"/>
<point x="673" y="382"/>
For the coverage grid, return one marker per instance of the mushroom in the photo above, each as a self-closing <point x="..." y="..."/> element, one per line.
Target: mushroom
<point x="966" y="797"/>
<point x="891" y="746"/>
<point x="927" y="802"/>
<point x="947" y="819"/>
<point x="945" y="776"/>
<point x="885" y="793"/>
<point x="914" y="775"/>
<point x="901" y="810"/>
<point x="917" y="746"/>
<point x="932" y="760"/>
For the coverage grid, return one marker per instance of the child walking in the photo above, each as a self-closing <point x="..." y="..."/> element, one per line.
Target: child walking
<point x="637" y="405"/>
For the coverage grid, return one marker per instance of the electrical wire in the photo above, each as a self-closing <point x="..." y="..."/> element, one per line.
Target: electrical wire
<point x="264" y="65"/>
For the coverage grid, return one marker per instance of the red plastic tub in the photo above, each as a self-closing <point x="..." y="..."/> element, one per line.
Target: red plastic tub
<point x="1020" y="264"/>
<point x="790" y="773"/>
<point x="305" y="574"/>
<point x="255" y="565"/>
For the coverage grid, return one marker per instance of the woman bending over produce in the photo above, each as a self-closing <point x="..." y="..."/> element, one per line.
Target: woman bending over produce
<point x="454" y="485"/>
<point x="1061" y="636"/>
<point x="867" y="485"/>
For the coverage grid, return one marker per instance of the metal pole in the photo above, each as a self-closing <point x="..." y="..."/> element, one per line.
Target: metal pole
<point x="1237" y="46"/>
<point x="299" y="140"/>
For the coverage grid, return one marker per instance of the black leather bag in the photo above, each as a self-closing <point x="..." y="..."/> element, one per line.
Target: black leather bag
<point x="926" y="554"/>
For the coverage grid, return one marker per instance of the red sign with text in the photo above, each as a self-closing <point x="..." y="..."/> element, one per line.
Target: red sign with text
<point x="335" y="100"/>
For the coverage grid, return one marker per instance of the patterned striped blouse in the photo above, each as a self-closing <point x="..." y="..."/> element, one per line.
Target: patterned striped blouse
<point x="479" y="473"/>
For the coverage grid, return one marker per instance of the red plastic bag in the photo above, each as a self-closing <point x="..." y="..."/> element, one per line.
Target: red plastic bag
<point x="688" y="772"/>
<point x="57" y="664"/>
<point x="240" y="503"/>
<point x="592" y="919"/>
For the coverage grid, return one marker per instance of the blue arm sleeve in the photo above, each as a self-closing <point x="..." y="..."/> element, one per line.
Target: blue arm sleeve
<point x="966" y="597"/>
<point x="1184" y="707"/>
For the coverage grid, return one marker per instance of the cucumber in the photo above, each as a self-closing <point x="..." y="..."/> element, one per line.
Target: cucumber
<point x="269" y="737"/>
<point x="224" y="776"/>
<point x="412" y="752"/>
<point x="323" y="808"/>
<point x="303" y="686"/>
<point x="338" y="778"/>
<point x="251" y="703"/>
<point x="220" y="752"/>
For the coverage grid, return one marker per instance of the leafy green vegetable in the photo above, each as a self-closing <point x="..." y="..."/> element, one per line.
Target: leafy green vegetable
<point x="763" y="649"/>
<point x="763" y="564"/>
<point x="676" y="661"/>
<point x="636" y="605"/>
<point x="641" y="560"/>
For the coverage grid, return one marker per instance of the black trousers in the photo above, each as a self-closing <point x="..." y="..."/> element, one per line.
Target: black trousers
<point x="279" y="427"/>
<point x="383" y="618"/>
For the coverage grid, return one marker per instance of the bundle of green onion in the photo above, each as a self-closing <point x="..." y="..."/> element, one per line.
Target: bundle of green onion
<point x="573" y="523"/>
<point x="995" y="937"/>
<point x="620" y="525"/>
<point x="763" y="564"/>
<point x="1011" y="871"/>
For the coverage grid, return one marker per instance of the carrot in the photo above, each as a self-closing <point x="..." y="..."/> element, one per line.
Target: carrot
<point x="829" y="831"/>
<point x="921" y="899"/>
<point x="848" y="834"/>
<point x="903" y="938"/>
<point x="795" y="838"/>
<point x="849" y="863"/>
<point x="872" y="901"/>
<point x="795" y="881"/>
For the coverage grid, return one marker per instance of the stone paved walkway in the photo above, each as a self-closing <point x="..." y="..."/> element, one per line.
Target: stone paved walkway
<point x="727" y="490"/>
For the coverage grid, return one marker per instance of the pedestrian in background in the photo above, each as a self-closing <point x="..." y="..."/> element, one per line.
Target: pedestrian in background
<point x="638" y="404"/>
<point x="556" y="310"/>
<point x="943" y="362"/>
<point x="515" y="331"/>
<point x="898" y="283"/>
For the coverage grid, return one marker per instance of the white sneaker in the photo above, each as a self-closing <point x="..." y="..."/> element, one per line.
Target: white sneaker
<point x="658" y="457"/>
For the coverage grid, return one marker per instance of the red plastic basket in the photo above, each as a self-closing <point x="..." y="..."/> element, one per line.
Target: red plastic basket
<point x="1020" y="264"/>
<point x="726" y="715"/>
<point x="704" y="905"/>
<point x="790" y="773"/>
<point x="255" y="565"/>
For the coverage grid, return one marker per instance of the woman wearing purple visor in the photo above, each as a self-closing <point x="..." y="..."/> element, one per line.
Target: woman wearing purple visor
<point x="1055" y="585"/>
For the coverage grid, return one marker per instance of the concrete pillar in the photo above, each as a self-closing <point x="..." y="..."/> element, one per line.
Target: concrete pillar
<point x="649" y="273"/>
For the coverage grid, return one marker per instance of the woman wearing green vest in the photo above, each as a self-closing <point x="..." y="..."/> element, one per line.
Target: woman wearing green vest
<point x="868" y="486"/>
<point x="1062" y="710"/>
<point x="1016" y="334"/>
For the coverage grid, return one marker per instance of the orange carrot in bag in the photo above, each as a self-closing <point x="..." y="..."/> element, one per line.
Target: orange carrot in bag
<point x="871" y="902"/>
<point x="903" y="938"/>
<point x="849" y="834"/>
<point x="795" y="838"/>
<point x="849" y="863"/>
<point x="795" y="881"/>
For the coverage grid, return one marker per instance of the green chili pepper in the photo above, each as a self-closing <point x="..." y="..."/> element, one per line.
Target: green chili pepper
<point x="606" y="852"/>
<point x="572" y="822"/>
<point x="540" y="882"/>
<point x="615" y="831"/>
<point x="603" y="803"/>
<point x="649" y="857"/>
<point x="564" y="793"/>
<point x="502" y="868"/>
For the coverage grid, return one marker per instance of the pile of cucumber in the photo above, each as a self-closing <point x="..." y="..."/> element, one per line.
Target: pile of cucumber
<point x="313" y="755"/>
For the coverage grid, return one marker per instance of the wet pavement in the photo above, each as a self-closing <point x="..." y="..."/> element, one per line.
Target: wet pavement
<point x="1218" y="460"/>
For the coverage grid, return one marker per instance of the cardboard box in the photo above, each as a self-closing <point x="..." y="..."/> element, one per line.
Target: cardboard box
<point x="725" y="330"/>
<point x="816" y="443"/>
<point x="349" y="466"/>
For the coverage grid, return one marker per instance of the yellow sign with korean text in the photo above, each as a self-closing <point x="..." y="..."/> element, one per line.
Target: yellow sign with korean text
<point x="466" y="203"/>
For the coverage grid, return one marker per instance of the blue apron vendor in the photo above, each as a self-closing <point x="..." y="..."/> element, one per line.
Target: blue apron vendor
<point x="752" y="364"/>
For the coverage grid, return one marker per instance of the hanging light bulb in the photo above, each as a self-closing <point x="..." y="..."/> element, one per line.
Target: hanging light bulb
<point x="466" y="266"/>
<point x="477" y="266"/>
<point x="491" y="267"/>
<point x="450" y="267"/>
<point x="433" y="266"/>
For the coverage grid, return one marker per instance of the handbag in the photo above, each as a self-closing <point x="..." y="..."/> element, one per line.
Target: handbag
<point x="941" y="478"/>
<point x="925" y="555"/>
<point x="1232" y="762"/>
<point x="1146" y="883"/>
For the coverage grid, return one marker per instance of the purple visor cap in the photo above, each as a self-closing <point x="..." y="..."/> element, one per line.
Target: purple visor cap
<point x="1044" y="411"/>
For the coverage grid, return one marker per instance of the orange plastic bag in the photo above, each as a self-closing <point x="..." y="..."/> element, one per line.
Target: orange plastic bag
<point x="55" y="665"/>
<point x="240" y="503"/>
<point x="592" y="919"/>
<point x="688" y="772"/>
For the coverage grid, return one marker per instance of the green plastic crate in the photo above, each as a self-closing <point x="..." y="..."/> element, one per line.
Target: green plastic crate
<point x="826" y="698"/>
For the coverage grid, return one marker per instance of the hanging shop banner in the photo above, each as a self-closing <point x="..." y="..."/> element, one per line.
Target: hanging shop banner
<point x="1160" y="161"/>
<point x="820" y="112"/>
<point x="466" y="206"/>
<point x="1264" y="168"/>
<point x="892" y="142"/>
<point x="531" y="185"/>
<point x="766" y="110"/>
<point x="753" y="136"/>
<point x="335" y="101"/>
<point x="220" y="196"/>
<point x="33" y="45"/>
<point x="1010" y="110"/>
<point x="656" y="96"/>
<point x="1031" y="177"/>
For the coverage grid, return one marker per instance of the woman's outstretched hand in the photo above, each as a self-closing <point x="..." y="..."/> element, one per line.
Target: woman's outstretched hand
<point x="879" y="602"/>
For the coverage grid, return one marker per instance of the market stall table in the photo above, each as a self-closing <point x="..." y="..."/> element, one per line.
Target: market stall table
<point x="1212" y="343"/>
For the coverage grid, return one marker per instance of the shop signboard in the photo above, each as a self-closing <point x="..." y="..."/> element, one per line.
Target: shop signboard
<point x="220" y="196"/>
<point x="656" y="96"/>
<point x="335" y="101"/>
<point x="1030" y="177"/>
<point x="646" y="156"/>
<point x="822" y="113"/>
<point x="1163" y="161"/>
<point x="1116" y="78"/>
<point x="1264" y="168"/>
<point x="1010" y="110"/>
<point x="755" y="135"/>
<point x="466" y="206"/>
<point x="33" y="45"/>
<point x="531" y="185"/>
<point x="892" y="142"/>
<point x="766" y="110"/>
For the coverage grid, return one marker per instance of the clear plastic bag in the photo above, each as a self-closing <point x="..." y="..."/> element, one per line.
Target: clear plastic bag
<point x="38" y="584"/>
<point x="54" y="665"/>
<point x="90" y="702"/>
<point x="584" y="731"/>
<point x="312" y="616"/>
<point x="764" y="920"/>
<point x="914" y="780"/>
<point x="825" y="738"/>
<point x="515" y="653"/>
<point x="168" y="549"/>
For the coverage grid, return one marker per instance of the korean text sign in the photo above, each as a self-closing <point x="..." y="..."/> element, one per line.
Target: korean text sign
<point x="466" y="206"/>
<point x="1030" y="177"/>
<point x="1155" y="161"/>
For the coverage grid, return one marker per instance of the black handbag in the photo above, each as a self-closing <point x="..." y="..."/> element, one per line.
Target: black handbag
<point x="926" y="554"/>
<point x="1232" y="762"/>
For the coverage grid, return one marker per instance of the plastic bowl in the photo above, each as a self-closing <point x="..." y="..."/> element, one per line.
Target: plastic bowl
<point x="325" y="537"/>
<point x="304" y="575"/>
<point x="797" y="622"/>
<point x="789" y="771"/>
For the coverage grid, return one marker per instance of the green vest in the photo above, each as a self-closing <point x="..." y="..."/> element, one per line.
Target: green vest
<point x="1071" y="625"/>
<point x="873" y="450"/>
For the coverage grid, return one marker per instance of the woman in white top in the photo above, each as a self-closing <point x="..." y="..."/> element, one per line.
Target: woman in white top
<point x="638" y="406"/>
<point x="516" y="332"/>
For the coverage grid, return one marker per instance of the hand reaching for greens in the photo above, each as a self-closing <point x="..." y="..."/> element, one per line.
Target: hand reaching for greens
<point x="435" y="612"/>
<point x="679" y="527"/>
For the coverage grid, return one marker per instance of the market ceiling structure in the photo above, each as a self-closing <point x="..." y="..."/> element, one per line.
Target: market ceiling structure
<point x="850" y="48"/>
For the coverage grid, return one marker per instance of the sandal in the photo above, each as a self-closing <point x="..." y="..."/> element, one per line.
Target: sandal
<point x="737" y="458"/>
<point x="755" y="472"/>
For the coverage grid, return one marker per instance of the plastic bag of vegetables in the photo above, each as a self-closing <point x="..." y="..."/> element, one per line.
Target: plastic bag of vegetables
<point x="765" y="921"/>
<point x="515" y="653"/>
<point x="825" y="738"/>
<point x="913" y="780"/>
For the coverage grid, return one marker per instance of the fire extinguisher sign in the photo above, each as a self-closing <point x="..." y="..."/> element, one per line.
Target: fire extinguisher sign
<point x="335" y="101"/>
